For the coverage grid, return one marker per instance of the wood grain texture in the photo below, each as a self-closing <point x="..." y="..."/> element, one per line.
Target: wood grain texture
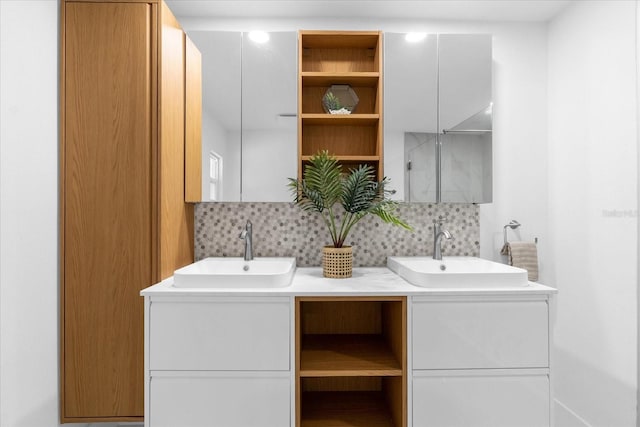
<point x="394" y="329"/>
<point x="341" y="384"/>
<point x="345" y="409"/>
<point x="193" y="122"/>
<point x="340" y="317"/>
<point x="378" y="108"/>
<point x="326" y="78"/>
<point x="176" y="216"/>
<point x="340" y="57"/>
<point x="394" y="390"/>
<point x="322" y="38"/>
<point x="351" y="361"/>
<point x="347" y="355"/>
<point x="339" y="140"/>
<point x="107" y="207"/>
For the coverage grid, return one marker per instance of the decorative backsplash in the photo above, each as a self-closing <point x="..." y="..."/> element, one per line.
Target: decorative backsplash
<point x="283" y="229"/>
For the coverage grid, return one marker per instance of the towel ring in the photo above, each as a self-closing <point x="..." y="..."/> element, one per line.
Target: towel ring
<point x="513" y="224"/>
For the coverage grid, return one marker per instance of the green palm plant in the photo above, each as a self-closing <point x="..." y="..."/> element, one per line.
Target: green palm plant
<point x="324" y="186"/>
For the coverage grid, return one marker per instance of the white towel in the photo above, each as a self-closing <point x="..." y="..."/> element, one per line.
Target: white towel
<point x="523" y="255"/>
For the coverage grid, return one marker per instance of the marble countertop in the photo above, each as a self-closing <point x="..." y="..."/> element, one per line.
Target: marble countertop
<point x="366" y="281"/>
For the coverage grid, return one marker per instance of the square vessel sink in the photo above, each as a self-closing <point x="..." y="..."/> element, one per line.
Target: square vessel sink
<point x="460" y="272"/>
<point x="236" y="273"/>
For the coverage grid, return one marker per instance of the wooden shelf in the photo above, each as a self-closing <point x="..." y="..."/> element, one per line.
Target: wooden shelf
<point x="357" y="78"/>
<point x="345" y="409"/>
<point x="350" y="159"/>
<point x="351" y="58"/>
<point x="337" y="39"/>
<point x="340" y="119"/>
<point x="351" y="361"/>
<point x="347" y="355"/>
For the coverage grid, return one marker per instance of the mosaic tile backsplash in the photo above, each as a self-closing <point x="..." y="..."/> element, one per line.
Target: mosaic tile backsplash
<point x="283" y="229"/>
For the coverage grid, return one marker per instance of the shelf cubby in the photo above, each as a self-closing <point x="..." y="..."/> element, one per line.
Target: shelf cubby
<point x="346" y="409"/>
<point x="342" y="139"/>
<point x="351" y="361"/>
<point x="312" y="99"/>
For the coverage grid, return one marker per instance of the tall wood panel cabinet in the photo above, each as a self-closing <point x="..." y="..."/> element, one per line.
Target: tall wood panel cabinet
<point x="124" y="223"/>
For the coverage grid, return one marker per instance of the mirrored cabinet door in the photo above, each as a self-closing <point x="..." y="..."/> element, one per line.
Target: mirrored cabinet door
<point x="221" y="113"/>
<point x="249" y="137"/>
<point x="438" y="109"/>
<point x="269" y="105"/>
<point x="465" y="119"/>
<point x="411" y="113"/>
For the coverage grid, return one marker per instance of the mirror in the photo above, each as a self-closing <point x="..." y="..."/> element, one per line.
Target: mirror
<point x="466" y="105"/>
<point x="438" y="117"/>
<point x="249" y="104"/>
<point x="221" y="113"/>
<point x="269" y="125"/>
<point x="410" y="115"/>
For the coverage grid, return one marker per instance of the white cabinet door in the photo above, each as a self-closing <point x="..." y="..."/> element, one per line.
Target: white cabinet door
<point x="223" y="334"/>
<point x="488" y="334"/>
<point x="220" y="400"/>
<point x="480" y="399"/>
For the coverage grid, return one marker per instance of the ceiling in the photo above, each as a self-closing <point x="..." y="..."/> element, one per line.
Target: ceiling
<point x="471" y="10"/>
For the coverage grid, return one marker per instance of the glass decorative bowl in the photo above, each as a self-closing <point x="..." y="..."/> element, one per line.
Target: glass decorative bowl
<point x="340" y="99"/>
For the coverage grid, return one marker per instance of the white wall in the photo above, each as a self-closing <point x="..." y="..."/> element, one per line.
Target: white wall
<point x="593" y="211"/>
<point x="28" y="214"/>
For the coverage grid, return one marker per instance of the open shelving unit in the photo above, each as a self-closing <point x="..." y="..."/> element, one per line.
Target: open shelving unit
<point x="351" y="361"/>
<point x="351" y="58"/>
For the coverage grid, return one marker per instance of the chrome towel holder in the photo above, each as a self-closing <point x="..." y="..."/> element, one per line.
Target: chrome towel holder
<point x="513" y="224"/>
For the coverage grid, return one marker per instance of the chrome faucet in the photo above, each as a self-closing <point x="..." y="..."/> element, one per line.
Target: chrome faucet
<point x="248" y="241"/>
<point x="438" y="234"/>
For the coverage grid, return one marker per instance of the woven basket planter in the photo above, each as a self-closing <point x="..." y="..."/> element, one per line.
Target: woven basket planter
<point x="337" y="263"/>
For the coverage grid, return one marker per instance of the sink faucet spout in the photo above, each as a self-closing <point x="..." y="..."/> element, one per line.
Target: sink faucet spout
<point x="247" y="235"/>
<point x="438" y="234"/>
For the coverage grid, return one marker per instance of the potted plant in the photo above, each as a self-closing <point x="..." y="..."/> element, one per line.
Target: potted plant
<point x="324" y="188"/>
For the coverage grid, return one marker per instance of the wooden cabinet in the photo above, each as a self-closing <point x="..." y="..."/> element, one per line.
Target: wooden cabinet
<point x="481" y="361"/>
<point x="329" y="58"/>
<point x="351" y="361"/>
<point x="218" y="361"/>
<point x="124" y="224"/>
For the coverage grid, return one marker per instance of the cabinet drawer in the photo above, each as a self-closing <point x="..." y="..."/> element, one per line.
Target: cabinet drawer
<point x="255" y="399"/>
<point x="481" y="399"/>
<point x="450" y="334"/>
<point x="221" y="334"/>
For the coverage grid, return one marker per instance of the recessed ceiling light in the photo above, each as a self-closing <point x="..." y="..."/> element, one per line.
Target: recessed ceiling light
<point x="259" y="36"/>
<point x="415" y="37"/>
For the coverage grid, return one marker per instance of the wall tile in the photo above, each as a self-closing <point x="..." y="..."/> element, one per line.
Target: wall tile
<point x="283" y="229"/>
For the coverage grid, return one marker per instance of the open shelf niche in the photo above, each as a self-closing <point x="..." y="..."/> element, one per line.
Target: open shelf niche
<point x="351" y="58"/>
<point x="351" y="361"/>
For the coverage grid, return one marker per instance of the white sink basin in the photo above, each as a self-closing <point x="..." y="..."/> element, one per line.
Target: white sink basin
<point x="460" y="272"/>
<point x="236" y="273"/>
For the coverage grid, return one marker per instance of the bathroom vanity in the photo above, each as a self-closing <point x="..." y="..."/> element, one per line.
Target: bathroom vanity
<point x="371" y="350"/>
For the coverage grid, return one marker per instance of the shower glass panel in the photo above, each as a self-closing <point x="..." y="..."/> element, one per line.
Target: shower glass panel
<point x="466" y="167"/>
<point x="420" y="162"/>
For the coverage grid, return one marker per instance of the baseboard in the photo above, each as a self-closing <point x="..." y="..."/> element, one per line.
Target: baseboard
<point x="565" y="417"/>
